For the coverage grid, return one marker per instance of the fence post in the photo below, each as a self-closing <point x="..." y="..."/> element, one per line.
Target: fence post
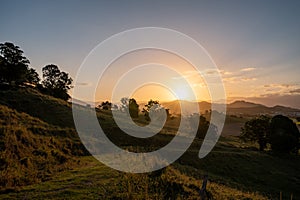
<point x="203" y="192"/>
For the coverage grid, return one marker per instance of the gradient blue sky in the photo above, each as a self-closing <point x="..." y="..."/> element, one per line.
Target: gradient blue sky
<point x="255" y="44"/>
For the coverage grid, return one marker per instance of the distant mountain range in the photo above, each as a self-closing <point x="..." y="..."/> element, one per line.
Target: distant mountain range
<point x="234" y="108"/>
<point x="244" y="107"/>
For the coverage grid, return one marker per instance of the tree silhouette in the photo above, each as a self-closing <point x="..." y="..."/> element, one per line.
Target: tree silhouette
<point x="148" y="106"/>
<point x="55" y="82"/>
<point x="132" y="106"/>
<point x="32" y="76"/>
<point x="155" y="106"/>
<point x="13" y="65"/>
<point x="284" y="135"/>
<point x="105" y="105"/>
<point x="257" y="130"/>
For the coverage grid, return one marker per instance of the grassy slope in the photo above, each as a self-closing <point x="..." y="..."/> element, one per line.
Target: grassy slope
<point x="248" y="169"/>
<point x="36" y="137"/>
<point x="96" y="181"/>
<point x="228" y="166"/>
<point x="50" y="110"/>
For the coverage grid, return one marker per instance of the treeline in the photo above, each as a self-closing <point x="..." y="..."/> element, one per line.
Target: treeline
<point x="15" y="71"/>
<point x="133" y="107"/>
<point x="154" y="109"/>
<point x="279" y="133"/>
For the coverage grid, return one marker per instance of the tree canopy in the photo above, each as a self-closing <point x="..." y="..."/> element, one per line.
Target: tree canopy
<point x="257" y="130"/>
<point x="56" y="82"/>
<point x="132" y="105"/>
<point x="133" y="108"/>
<point x="280" y="132"/>
<point x="284" y="135"/>
<point x="152" y="104"/>
<point x="105" y="105"/>
<point x="13" y="64"/>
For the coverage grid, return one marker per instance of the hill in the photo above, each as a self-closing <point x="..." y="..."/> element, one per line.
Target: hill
<point x="32" y="150"/>
<point x="188" y="106"/>
<point x="243" y="104"/>
<point x="42" y="152"/>
<point x="234" y="108"/>
<point x="46" y="108"/>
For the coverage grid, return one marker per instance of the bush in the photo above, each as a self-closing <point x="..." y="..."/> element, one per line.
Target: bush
<point x="257" y="130"/>
<point x="284" y="135"/>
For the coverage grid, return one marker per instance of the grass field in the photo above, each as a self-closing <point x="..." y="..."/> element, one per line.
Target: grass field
<point x="93" y="180"/>
<point x="41" y="157"/>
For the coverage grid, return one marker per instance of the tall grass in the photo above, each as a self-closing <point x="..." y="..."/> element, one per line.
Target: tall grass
<point x="31" y="150"/>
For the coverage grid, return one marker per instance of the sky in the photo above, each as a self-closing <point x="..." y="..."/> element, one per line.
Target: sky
<point x="254" y="44"/>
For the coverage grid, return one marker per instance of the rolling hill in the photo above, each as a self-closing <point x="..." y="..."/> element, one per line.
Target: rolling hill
<point x="36" y="137"/>
<point x="49" y="109"/>
<point x="41" y="157"/>
<point x="234" y="108"/>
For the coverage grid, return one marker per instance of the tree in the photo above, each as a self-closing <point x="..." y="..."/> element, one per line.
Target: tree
<point x="32" y="76"/>
<point x="151" y="104"/>
<point x="13" y="64"/>
<point x="257" y="130"/>
<point x="284" y="135"/>
<point x="55" y="82"/>
<point x="154" y="107"/>
<point x="132" y="106"/>
<point x="105" y="105"/>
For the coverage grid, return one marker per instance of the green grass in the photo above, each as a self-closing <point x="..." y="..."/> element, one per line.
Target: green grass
<point x="248" y="169"/>
<point x="32" y="150"/>
<point x="49" y="109"/>
<point x="41" y="157"/>
<point x="95" y="181"/>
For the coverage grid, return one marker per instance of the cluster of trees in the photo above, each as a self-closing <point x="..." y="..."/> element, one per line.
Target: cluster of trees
<point x="279" y="131"/>
<point x="15" y="70"/>
<point x="153" y="106"/>
<point x="133" y="107"/>
<point x="14" y="66"/>
<point x="55" y="82"/>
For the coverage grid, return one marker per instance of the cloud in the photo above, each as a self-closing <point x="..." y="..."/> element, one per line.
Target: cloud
<point x="279" y="89"/>
<point x="83" y="84"/>
<point x="211" y="72"/>
<point x="248" y="69"/>
<point x="296" y="91"/>
<point x="282" y="86"/>
<point x="249" y="79"/>
<point x="242" y="75"/>
<point x="223" y="72"/>
<point x="237" y="79"/>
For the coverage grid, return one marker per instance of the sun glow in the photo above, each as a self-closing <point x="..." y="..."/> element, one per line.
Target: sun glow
<point x="158" y="92"/>
<point x="154" y="92"/>
<point x="184" y="92"/>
